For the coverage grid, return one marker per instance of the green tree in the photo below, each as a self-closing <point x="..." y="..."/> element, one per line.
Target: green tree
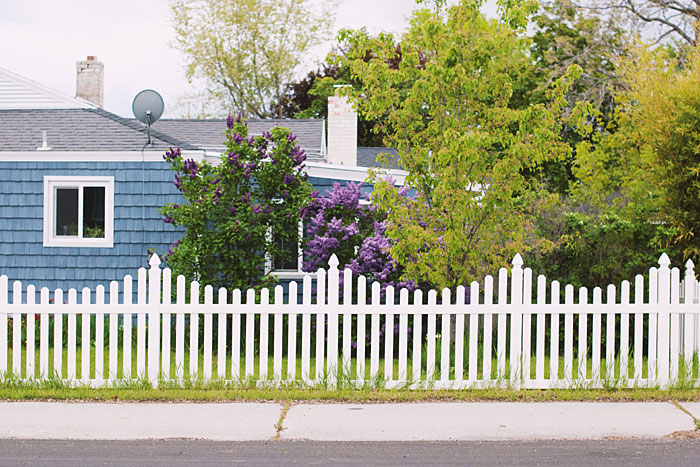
<point x="240" y="214"/>
<point x="651" y="164"/>
<point x="450" y="112"/>
<point x="247" y="51"/>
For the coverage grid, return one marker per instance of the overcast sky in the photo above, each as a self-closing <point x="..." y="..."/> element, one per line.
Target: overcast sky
<point x="42" y="39"/>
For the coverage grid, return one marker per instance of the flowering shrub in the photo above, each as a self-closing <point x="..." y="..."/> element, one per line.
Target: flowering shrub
<point x="338" y="223"/>
<point x="230" y="209"/>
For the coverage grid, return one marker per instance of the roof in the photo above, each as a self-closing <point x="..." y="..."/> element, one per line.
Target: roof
<point x="208" y="134"/>
<point x="367" y="157"/>
<point x="78" y="130"/>
<point x="17" y="92"/>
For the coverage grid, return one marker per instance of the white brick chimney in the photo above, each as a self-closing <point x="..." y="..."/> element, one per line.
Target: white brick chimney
<point x="89" y="82"/>
<point x="342" y="131"/>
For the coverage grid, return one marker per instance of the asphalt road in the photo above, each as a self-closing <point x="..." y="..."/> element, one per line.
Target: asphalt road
<point x="663" y="452"/>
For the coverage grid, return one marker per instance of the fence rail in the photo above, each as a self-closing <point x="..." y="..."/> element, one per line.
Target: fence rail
<point x="509" y="331"/>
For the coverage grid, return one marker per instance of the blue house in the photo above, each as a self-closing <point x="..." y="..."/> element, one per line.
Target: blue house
<point x="80" y="188"/>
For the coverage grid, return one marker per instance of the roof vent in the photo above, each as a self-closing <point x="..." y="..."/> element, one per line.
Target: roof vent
<point x="45" y="144"/>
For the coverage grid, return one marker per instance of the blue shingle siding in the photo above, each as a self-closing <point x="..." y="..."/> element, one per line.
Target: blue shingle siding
<point x="22" y="254"/>
<point x="326" y="184"/>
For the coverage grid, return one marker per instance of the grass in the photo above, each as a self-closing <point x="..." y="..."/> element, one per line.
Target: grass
<point x="218" y="391"/>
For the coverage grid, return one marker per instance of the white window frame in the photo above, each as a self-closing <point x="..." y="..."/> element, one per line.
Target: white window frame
<point x="51" y="184"/>
<point x="288" y="273"/>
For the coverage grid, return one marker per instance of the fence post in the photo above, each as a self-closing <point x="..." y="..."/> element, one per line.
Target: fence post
<point x="688" y="318"/>
<point x="333" y="285"/>
<point x="154" y="319"/>
<point x="664" y="303"/>
<point x="516" y="320"/>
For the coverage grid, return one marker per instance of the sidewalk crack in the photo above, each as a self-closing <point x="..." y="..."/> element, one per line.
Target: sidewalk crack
<point x="683" y="409"/>
<point x="278" y="425"/>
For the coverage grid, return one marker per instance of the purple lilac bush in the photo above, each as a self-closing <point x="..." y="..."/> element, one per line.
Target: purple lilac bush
<point x="228" y="209"/>
<point x="339" y="223"/>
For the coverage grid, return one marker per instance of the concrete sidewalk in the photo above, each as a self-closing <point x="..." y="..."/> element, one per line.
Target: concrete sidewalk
<point x="239" y="421"/>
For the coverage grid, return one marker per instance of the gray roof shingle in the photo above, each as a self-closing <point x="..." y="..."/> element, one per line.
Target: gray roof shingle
<point x="367" y="157"/>
<point x="99" y="130"/>
<point x="77" y="130"/>
<point x="209" y="133"/>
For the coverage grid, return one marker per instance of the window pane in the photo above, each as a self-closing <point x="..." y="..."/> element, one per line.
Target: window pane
<point x="94" y="212"/>
<point x="67" y="212"/>
<point x="289" y="247"/>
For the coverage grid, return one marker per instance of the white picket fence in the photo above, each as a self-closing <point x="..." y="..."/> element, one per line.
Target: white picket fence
<point x="323" y="337"/>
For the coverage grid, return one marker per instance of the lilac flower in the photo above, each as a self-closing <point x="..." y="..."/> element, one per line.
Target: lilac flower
<point x="170" y="155"/>
<point x="229" y="121"/>
<point x="256" y="209"/>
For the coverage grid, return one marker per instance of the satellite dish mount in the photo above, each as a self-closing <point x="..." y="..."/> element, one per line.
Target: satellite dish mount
<point x="148" y="107"/>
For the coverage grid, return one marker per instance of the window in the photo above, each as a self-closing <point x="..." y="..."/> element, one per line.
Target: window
<point x="289" y="266"/>
<point x="79" y="211"/>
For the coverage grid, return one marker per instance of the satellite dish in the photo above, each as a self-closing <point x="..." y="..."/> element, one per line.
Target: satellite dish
<point x="148" y="107"/>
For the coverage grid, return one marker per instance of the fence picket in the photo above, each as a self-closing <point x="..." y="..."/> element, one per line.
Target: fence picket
<point x="236" y="335"/>
<point x="17" y="329"/>
<point x="675" y="336"/>
<point x="292" y="334"/>
<point x="208" y="331"/>
<point x="389" y="335"/>
<point x="99" y="334"/>
<point x="141" y="285"/>
<point x="540" y="336"/>
<point x="611" y="296"/>
<point x="58" y="333"/>
<point x="167" y="324"/>
<point x="582" y="336"/>
<point x="85" y="345"/>
<point x="595" y="357"/>
<point x="638" y="330"/>
<point x="527" y="324"/>
<point x="180" y="329"/>
<point x="430" y="367"/>
<point x="416" y="357"/>
<point x="502" y="325"/>
<point x="264" y="333"/>
<point x="30" y="355"/>
<point x="473" y="332"/>
<point x="154" y="324"/>
<point x="569" y="333"/>
<point x="445" y="337"/>
<point x="222" y="317"/>
<point x="664" y="324"/>
<point x="554" y="337"/>
<point x="113" y="331"/>
<point x="488" y="331"/>
<point x="361" y="329"/>
<point x="126" y="332"/>
<point x="624" y="332"/>
<point x="306" y="331"/>
<point x="653" y="323"/>
<point x="688" y="319"/>
<point x="403" y="337"/>
<point x="194" y="331"/>
<point x="347" y="321"/>
<point x="460" y="299"/>
<point x="332" y="370"/>
<point x="72" y="301"/>
<point x="250" y="335"/>
<point x="516" y="321"/>
<point x="320" y="323"/>
<point x="43" y="335"/>
<point x="277" y="350"/>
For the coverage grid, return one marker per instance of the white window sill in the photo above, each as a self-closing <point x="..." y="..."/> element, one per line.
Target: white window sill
<point x="290" y="275"/>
